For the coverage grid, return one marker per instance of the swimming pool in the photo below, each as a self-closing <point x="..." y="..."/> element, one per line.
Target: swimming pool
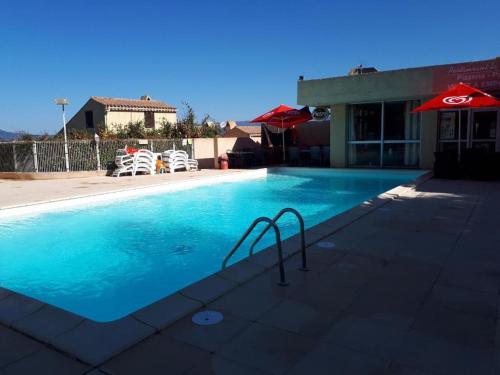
<point x="107" y="261"/>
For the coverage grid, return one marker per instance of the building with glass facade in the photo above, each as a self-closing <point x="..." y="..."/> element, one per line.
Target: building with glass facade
<point x="372" y="124"/>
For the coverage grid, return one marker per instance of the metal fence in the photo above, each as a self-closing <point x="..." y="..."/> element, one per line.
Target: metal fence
<point x="83" y="155"/>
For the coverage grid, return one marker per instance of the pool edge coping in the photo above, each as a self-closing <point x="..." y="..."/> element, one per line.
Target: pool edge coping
<point x="18" y="312"/>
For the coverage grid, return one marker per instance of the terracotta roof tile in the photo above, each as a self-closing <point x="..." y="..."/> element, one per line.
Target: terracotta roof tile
<point x="250" y="129"/>
<point x="133" y="104"/>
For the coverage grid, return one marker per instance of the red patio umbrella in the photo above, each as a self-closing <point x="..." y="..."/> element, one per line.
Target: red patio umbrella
<point x="284" y="117"/>
<point x="460" y="96"/>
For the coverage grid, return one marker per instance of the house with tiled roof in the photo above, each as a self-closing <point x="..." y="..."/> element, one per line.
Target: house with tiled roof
<point x="111" y="113"/>
<point x="243" y="130"/>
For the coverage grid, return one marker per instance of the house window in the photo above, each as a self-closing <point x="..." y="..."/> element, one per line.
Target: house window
<point x="385" y="134"/>
<point x="89" y="119"/>
<point x="149" y="120"/>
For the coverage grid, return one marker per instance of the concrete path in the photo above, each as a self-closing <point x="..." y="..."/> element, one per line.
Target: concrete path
<point x="411" y="288"/>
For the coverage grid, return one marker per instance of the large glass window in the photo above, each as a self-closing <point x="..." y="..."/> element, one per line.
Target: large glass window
<point x="384" y="134"/>
<point x="366" y="122"/>
<point x="478" y="130"/>
<point x="484" y="129"/>
<point x="364" y="154"/>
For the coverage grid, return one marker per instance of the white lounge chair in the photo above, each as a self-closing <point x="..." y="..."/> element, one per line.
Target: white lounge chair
<point x="144" y="161"/>
<point x="124" y="163"/>
<point x="141" y="161"/>
<point x="178" y="159"/>
<point x="192" y="164"/>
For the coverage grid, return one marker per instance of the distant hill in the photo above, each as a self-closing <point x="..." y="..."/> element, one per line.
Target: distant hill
<point x="8" y="136"/>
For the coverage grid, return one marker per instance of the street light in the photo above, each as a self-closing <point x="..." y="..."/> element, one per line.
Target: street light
<point x="62" y="103"/>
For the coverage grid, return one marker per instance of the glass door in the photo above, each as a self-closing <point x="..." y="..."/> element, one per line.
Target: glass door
<point x="401" y="138"/>
<point x="448" y="125"/>
<point x="484" y="130"/>
<point x="384" y="134"/>
<point x="365" y="132"/>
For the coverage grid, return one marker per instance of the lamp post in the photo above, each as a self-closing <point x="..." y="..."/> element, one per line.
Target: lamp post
<point x="62" y="103"/>
<point x="98" y="155"/>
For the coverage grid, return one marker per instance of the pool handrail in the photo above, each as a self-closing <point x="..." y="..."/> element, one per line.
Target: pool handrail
<point x="271" y="223"/>
<point x="302" y="235"/>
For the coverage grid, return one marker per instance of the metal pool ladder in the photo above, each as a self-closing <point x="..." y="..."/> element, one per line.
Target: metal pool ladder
<point x="271" y="223"/>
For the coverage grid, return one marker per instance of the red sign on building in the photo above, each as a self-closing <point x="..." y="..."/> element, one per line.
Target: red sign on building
<point x="484" y="75"/>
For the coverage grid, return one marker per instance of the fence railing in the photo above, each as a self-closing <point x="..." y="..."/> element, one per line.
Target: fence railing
<point x="84" y="155"/>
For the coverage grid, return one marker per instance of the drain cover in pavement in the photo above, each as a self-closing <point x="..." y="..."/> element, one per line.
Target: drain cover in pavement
<point x="326" y="244"/>
<point x="207" y="318"/>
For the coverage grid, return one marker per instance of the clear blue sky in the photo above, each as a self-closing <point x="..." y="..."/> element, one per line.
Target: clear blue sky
<point x="231" y="59"/>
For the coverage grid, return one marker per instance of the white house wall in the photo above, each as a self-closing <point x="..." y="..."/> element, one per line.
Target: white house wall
<point x="119" y="118"/>
<point x="164" y="117"/>
<point x="78" y="120"/>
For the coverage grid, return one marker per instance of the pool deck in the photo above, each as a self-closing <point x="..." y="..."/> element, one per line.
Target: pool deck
<point x="24" y="192"/>
<point x="411" y="287"/>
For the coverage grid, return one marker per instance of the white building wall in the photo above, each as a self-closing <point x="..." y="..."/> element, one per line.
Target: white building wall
<point x="161" y="117"/>
<point x="122" y="118"/>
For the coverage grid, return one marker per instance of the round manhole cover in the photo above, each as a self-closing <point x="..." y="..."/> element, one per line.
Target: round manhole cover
<point x="326" y="244"/>
<point x="207" y="318"/>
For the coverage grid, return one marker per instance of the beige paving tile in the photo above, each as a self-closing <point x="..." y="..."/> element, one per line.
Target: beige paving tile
<point x="266" y="258"/>
<point x="217" y="365"/>
<point x="94" y="343"/>
<point x="159" y="354"/>
<point x="17" y="306"/>
<point x="248" y="302"/>
<point x="323" y="297"/>
<point x="4" y="293"/>
<point x="47" y="323"/>
<point x="326" y="359"/>
<point x="464" y="300"/>
<point x="398" y="369"/>
<point x="45" y="361"/>
<point x="95" y="372"/>
<point x="241" y="271"/>
<point x="297" y="317"/>
<point x="167" y="311"/>
<point x="440" y="356"/>
<point x="209" y="337"/>
<point x="317" y="259"/>
<point x="381" y="339"/>
<point x="382" y="306"/>
<point x="269" y="349"/>
<point x="14" y="346"/>
<point x="208" y="289"/>
<point x="465" y="276"/>
<point x="474" y="331"/>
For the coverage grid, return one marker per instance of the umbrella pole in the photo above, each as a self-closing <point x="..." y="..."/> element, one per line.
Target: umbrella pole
<point x="459" y="132"/>
<point x="283" y="139"/>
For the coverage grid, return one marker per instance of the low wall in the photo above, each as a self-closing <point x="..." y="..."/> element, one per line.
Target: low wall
<point x="204" y="152"/>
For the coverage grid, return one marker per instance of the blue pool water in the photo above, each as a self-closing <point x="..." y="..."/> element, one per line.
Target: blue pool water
<point x="107" y="261"/>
